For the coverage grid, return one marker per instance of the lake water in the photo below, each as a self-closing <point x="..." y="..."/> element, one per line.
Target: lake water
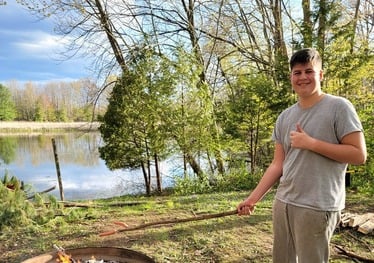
<point x="84" y="174"/>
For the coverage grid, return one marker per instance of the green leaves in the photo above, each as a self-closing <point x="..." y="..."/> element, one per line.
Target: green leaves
<point x="133" y="126"/>
<point x="17" y="211"/>
<point x="7" y="106"/>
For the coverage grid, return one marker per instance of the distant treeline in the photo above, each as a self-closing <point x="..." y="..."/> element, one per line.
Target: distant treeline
<point x="75" y="101"/>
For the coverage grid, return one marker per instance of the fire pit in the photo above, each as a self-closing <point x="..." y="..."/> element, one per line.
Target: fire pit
<point x="95" y="255"/>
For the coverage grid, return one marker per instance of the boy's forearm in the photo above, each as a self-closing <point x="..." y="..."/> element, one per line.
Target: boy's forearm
<point x="270" y="177"/>
<point x="344" y="152"/>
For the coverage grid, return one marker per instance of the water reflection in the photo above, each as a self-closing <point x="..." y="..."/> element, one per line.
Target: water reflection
<point x="84" y="174"/>
<point x="7" y="149"/>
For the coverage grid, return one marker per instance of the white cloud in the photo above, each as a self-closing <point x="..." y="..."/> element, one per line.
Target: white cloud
<point x="39" y="44"/>
<point x="32" y="51"/>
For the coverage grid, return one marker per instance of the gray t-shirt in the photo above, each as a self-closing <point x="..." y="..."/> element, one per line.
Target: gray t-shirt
<point x="309" y="179"/>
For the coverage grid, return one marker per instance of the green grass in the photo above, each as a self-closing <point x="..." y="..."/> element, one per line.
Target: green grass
<point x="226" y="239"/>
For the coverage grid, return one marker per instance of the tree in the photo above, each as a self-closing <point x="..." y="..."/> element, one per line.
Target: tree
<point x="248" y="119"/>
<point x="231" y="62"/>
<point x="136" y="123"/>
<point x="7" y="107"/>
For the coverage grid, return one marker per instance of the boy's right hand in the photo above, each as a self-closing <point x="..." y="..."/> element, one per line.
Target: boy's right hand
<point x="246" y="208"/>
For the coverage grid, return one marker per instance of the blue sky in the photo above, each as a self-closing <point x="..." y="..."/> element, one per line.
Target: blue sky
<point x="29" y="49"/>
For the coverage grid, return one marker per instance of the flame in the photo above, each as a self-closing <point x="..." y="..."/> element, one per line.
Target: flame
<point x="64" y="258"/>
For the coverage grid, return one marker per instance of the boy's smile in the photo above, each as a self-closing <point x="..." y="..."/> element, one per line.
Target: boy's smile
<point x="305" y="81"/>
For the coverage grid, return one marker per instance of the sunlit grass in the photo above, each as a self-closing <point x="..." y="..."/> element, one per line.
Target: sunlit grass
<point x="226" y="239"/>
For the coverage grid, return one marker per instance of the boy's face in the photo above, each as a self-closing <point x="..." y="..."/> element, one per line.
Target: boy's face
<point x="306" y="79"/>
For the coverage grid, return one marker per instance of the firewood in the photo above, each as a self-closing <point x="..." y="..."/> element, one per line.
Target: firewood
<point x="345" y="218"/>
<point x="366" y="227"/>
<point x="360" y="219"/>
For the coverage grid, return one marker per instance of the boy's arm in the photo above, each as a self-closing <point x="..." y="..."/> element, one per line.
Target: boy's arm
<point x="352" y="148"/>
<point x="270" y="177"/>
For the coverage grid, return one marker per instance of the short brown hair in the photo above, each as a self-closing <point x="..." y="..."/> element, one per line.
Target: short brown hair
<point x="304" y="56"/>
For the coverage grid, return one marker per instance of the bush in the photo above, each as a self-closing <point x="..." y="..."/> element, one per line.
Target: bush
<point x="192" y="185"/>
<point x="16" y="210"/>
<point x="236" y="180"/>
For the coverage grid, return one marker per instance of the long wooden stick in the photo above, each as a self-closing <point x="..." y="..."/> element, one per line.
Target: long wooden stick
<point x="171" y="221"/>
<point x="88" y="205"/>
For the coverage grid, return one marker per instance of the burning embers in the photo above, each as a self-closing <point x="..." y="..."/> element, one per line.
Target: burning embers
<point x="91" y="255"/>
<point x="63" y="257"/>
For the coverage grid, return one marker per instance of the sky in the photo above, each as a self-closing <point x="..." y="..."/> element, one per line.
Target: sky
<point x="29" y="49"/>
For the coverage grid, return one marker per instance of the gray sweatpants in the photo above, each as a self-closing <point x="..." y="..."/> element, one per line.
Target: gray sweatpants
<point x="302" y="235"/>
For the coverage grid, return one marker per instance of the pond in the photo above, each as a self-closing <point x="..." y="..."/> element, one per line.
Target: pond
<point x="84" y="174"/>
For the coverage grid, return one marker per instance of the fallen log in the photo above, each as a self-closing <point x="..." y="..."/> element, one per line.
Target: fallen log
<point x="42" y="192"/>
<point x="80" y="205"/>
<point x="170" y="221"/>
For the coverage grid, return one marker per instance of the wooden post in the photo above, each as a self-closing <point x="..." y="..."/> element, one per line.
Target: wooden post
<point x="58" y="170"/>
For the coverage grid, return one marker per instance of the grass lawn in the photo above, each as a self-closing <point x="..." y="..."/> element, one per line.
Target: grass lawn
<point x="225" y="239"/>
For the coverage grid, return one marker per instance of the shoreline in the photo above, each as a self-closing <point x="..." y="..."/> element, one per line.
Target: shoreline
<point x="30" y="126"/>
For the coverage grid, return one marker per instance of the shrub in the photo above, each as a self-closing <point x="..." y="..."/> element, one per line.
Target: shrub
<point x="16" y="210"/>
<point x="192" y="185"/>
<point x="237" y="179"/>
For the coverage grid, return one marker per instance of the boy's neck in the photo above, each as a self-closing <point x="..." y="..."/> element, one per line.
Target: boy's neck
<point x="307" y="102"/>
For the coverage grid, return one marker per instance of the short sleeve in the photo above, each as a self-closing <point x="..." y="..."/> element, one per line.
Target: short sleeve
<point x="346" y="119"/>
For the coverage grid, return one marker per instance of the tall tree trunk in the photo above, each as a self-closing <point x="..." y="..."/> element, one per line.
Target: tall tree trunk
<point x="280" y="51"/>
<point x="321" y="33"/>
<point x="109" y="31"/>
<point x="354" y="25"/>
<point x="149" y="174"/>
<point x="307" y="25"/>
<point x="146" y="181"/>
<point x="194" y="165"/>
<point x="190" y="9"/>
<point x="158" y="175"/>
<point x="255" y="141"/>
